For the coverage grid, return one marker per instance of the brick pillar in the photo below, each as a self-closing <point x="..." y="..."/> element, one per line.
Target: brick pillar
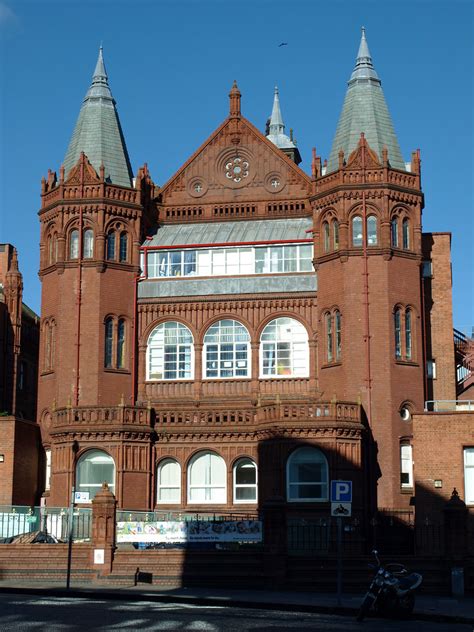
<point x="103" y="530"/>
<point x="275" y="545"/>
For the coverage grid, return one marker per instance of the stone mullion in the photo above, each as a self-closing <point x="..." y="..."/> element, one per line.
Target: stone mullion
<point x="254" y="349"/>
<point x="198" y="351"/>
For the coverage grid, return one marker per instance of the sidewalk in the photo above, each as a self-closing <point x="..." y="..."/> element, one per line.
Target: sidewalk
<point x="427" y="608"/>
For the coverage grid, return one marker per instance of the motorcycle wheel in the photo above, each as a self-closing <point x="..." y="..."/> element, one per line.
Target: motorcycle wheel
<point x="364" y="608"/>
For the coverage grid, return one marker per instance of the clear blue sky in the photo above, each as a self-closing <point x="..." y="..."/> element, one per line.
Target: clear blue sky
<point x="171" y="65"/>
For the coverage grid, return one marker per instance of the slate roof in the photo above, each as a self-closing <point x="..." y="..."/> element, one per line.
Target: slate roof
<point x="98" y="132"/>
<point x="231" y="232"/>
<point x="277" y="127"/>
<point x="365" y="110"/>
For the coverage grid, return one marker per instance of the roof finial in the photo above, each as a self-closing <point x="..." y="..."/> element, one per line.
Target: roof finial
<point x="234" y="96"/>
<point x="276" y="121"/>
<point x="364" y="68"/>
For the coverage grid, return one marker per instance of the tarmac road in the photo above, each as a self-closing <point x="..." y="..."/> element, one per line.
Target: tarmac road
<point x="21" y="613"/>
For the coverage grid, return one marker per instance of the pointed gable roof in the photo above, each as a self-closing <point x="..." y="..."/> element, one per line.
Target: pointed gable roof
<point x="98" y="132"/>
<point x="234" y="135"/>
<point x="365" y="111"/>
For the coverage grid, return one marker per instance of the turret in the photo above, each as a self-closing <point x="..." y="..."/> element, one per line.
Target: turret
<point x="276" y="132"/>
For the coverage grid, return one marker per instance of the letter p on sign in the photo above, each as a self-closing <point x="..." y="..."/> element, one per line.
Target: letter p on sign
<point x="341" y="491"/>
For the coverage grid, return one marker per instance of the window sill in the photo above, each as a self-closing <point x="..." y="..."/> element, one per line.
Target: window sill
<point x="406" y="362"/>
<point x="406" y="490"/>
<point x="329" y="365"/>
<point x="184" y="380"/>
<point x="109" y="369"/>
<point x="47" y="372"/>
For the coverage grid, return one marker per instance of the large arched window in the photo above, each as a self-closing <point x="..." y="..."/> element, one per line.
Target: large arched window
<point x="284" y="350"/>
<point x="170" y="353"/>
<point x="94" y="468"/>
<point x="226" y="350"/>
<point x="88" y="247"/>
<point x="307" y="475"/>
<point x="74" y="244"/>
<point x="207" y="478"/>
<point x="245" y="481"/>
<point x="169" y="482"/>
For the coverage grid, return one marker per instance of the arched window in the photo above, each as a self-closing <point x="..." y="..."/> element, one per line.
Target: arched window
<point x="326" y="236"/>
<point x="50" y="249"/>
<point x="338" y="332"/>
<point x="74" y="244"/>
<point x="170" y="353"/>
<point x="207" y="478"/>
<point x="394" y="232"/>
<point x="307" y="476"/>
<point x="397" y="323"/>
<point x="121" y="344"/>
<point x="110" y="246"/>
<point x="357" y="231"/>
<point x="123" y="246"/>
<point x="371" y="230"/>
<point x="245" y="481"/>
<point x="49" y="345"/>
<point x="88" y="247"/>
<point x="226" y="350"/>
<point x="55" y="247"/>
<point x="94" y="468"/>
<point x="109" y="342"/>
<point x="406" y="233"/>
<point x="284" y="350"/>
<point x="169" y="482"/>
<point x="408" y="336"/>
<point x="329" y="337"/>
<point x="335" y="232"/>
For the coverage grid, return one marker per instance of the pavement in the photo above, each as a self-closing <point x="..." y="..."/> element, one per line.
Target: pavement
<point x="428" y="607"/>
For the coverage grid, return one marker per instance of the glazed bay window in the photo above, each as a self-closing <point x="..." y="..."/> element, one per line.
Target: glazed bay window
<point x="226" y="350"/>
<point x="170" y="353"/>
<point x="284" y="350"/>
<point x="243" y="260"/>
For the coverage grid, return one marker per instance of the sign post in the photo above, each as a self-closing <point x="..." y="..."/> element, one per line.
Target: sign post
<point x="341" y="506"/>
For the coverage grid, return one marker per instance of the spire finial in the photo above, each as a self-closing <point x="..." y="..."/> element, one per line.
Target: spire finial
<point x="234" y="96"/>
<point x="276" y="120"/>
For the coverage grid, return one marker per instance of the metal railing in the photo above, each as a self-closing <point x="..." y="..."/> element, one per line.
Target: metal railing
<point x="170" y="516"/>
<point x="449" y="405"/>
<point x="17" y="520"/>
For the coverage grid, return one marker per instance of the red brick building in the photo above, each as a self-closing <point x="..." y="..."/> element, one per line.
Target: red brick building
<point x="245" y="332"/>
<point x="20" y="444"/>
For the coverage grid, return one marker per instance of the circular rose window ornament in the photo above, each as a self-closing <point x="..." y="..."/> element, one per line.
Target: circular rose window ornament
<point x="237" y="169"/>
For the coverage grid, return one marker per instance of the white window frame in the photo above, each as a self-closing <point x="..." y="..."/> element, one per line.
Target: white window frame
<point x="210" y="485"/>
<point x="152" y="346"/>
<point x="220" y="361"/>
<point x="304" y="347"/>
<point x="468" y="454"/>
<point x="89" y="455"/>
<point x="324" y="483"/>
<point x="47" y="477"/>
<point x="406" y="465"/>
<point x="238" y="486"/>
<point x="176" y="487"/>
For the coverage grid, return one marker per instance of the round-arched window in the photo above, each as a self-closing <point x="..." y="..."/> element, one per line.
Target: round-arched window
<point x="284" y="350"/>
<point x="207" y="479"/>
<point x="170" y="352"/>
<point x="169" y="482"/>
<point x="226" y="350"/>
<point x="94" y="468"/>
<point x="245" y="481"/>
<point x="307" y="476"/>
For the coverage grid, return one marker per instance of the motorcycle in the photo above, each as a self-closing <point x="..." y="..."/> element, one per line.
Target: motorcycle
<point x="391" y="591"/>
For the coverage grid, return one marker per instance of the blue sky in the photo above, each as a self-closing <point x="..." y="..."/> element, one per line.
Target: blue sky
<point x="171" y="65"/>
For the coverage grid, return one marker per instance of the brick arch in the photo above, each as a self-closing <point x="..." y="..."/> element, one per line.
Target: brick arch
<point x="292" y="315"/>
<point x="143" y="338"/>
<point x="212" y="321"/>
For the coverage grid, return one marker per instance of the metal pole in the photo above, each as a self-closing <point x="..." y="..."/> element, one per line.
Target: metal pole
<point x="339" y="561"/>
<point x="69" y="542"/>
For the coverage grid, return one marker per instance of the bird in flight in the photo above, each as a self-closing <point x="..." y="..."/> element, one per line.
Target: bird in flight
<point x="283" y="44"/>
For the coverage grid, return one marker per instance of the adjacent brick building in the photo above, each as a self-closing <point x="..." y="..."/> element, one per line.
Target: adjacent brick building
<point x="246" y="332"/>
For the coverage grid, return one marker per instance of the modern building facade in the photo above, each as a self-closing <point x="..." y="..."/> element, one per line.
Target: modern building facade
<point x="246" y="332"/>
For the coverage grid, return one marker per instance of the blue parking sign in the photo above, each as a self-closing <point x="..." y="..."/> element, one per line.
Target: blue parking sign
<point x="341" y="491"/>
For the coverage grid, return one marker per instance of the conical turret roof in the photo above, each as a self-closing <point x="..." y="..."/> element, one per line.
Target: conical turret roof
<point x="365" y="110"/>
<point x="98" y="132"/>
<point x="276" y="126"/>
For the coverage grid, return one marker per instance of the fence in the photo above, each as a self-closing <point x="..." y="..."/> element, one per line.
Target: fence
<point x="17" y="520"/>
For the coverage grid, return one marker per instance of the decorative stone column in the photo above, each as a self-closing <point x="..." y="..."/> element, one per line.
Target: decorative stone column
<point x="103" y="530"/>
